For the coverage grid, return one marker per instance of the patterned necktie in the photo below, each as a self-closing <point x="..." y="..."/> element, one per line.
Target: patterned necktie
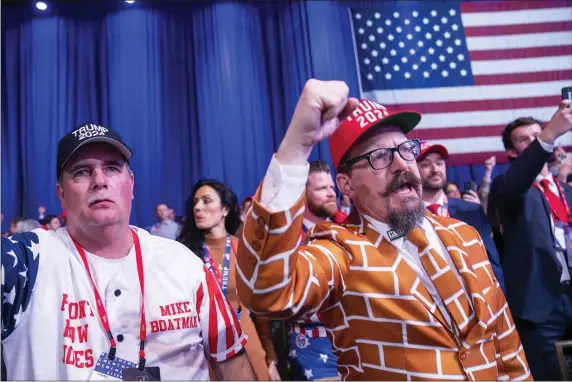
<point x="444" y="278"/>
<point x="556" y="205"/>
<point x="434" y="208"/>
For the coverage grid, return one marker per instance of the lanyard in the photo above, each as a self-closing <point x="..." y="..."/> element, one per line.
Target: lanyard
<point x="562" y="198"/>
<point x="101" y="309"/>
<point x="209" y="263"/>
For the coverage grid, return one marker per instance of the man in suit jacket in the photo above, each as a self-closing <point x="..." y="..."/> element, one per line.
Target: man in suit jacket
<point x="433" y="171"/>
<point x="533" y="208"/>
<point x="403" y="294"/>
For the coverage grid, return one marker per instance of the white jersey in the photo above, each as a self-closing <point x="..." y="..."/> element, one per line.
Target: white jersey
<point x="51" y="328"/>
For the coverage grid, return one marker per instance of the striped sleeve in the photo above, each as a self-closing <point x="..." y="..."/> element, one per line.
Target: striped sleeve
<point x="20" y="264"/>
<point x="276" y="276"/>
<point x="222" y="335"/>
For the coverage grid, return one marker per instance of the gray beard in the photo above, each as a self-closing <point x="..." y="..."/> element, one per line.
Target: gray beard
<point x="406" y="220"/>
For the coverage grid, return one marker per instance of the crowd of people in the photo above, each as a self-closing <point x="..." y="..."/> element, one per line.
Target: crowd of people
<point x="385" y="272"/>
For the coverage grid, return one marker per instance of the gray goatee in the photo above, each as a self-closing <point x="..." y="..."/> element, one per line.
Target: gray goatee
<point x="405" y="219"/>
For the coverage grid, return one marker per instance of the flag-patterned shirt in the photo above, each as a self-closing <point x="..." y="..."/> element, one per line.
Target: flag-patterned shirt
<point x="51" y="328"/>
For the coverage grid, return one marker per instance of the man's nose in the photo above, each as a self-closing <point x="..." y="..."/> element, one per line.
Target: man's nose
<point x="98" y="178"/>
<point x="398" y="164"/>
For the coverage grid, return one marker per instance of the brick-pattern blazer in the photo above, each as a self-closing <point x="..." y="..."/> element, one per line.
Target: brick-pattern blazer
<point x="381" y="320"/>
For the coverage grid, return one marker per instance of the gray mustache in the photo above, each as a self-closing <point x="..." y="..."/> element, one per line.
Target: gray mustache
<point x="402" y="178"/>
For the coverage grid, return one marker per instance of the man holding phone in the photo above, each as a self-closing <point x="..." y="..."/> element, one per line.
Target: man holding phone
<point x="534" y="211"/>
<point x="433" y="172"/>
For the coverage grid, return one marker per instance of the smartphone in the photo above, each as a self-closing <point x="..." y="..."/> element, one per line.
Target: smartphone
<point x="567" y="92"/>
<point x="469" y="186"/>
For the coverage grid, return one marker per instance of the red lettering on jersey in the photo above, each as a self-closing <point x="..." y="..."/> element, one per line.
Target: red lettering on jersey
<point x="82" y="333"/>
<point x="175" y="308"/>
<point x="69" y="331"/>
<point x="78" y="358"/>
<point x="70" y="356"/>
<point x="73" y="310"/>
<point x="166" y="310"/>
<point x="64" y="301"/>
<point x="82" y="310"/>
<point x="89" y="362"/>
<point x="174" y="324"/>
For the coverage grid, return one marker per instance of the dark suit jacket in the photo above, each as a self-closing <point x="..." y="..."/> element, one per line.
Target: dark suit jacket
<point x="531" y="270"/>
<point x="473" y="214"/>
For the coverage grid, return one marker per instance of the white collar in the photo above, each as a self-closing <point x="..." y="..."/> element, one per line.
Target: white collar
<point x="442" y="200"/>
<point x="550" y="178"/>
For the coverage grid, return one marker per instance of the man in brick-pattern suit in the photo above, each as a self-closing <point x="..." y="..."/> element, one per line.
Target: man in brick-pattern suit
<point x="403" y="295"/>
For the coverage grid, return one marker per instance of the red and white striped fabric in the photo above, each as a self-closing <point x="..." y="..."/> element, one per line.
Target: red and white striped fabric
<point x="218" y="319"/>
<point x="311" y="327"/>
<point x="313" y="332"/>
<point x="520" y="55"/>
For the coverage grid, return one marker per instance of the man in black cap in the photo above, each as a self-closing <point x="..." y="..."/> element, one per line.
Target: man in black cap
<point x="98" y="297"/>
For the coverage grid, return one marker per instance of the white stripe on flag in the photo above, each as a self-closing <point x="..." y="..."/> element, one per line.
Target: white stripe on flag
<point x="517" y="41"/>
<point x="480" y="144"/>
<point x="517" y="17"/>
<point x="466" y="93"/>
<point x="483" y="118"/>
<point x="522" y="65"/>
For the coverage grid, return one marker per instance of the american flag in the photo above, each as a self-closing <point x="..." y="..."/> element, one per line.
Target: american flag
<point x="20" y="262"/>
<point x="469" y="68"/>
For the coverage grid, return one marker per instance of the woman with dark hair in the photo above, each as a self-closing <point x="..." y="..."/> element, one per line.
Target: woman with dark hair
<point x="212" y="217"/>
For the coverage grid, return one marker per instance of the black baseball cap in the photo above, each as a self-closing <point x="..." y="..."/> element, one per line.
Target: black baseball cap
<point x="85" y="134"/>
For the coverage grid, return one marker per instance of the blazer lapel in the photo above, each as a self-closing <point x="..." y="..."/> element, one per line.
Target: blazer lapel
<point x="459" y="248"/>
<point x="417" y="288"/>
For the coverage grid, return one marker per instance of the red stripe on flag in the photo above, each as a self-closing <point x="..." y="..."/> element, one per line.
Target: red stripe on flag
<point x="457" y="132"/>
<point x="506" y="54"/>
<point x="518" y="78"/>
<point x="496" y="30"/>
<point x="480" y="105"/>
<point x="476" y="158"/>
<point x="500" y="6"/>
<point x="479" y="158"/>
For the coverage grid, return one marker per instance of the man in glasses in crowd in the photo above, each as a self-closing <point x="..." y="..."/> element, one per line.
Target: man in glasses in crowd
<point x="403" y="294"/>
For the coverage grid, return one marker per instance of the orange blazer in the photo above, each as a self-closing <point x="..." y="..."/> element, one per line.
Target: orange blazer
<point x="381" y="320"/>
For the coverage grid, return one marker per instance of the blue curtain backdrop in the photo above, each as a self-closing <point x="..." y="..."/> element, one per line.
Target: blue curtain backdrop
<point x="196" y="89"/>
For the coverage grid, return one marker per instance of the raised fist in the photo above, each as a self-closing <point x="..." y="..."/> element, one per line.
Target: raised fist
<point x="491" y="162"/>
<point x="320" y="109"/>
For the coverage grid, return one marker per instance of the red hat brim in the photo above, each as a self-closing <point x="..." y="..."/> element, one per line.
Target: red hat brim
<point x="439" y="149"/>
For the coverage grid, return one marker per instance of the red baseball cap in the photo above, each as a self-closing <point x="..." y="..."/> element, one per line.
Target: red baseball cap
<point x="368" y="114"/>
<point x="427" y="148"/>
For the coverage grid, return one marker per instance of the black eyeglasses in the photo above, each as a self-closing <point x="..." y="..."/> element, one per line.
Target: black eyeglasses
<point x="382" y="158"/>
